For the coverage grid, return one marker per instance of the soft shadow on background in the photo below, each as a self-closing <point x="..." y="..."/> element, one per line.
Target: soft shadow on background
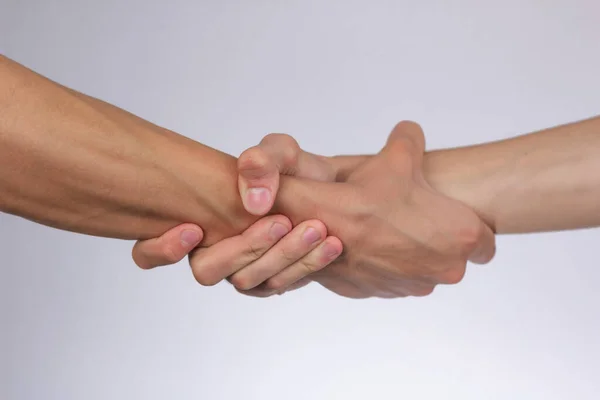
<point x="80" y="321"/>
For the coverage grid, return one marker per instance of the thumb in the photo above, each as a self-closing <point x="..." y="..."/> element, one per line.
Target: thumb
<point x="258" y="180"/>
<point x="405" y="145"/>
<point x="260" y="167"/>
<point x="170" y="248"/>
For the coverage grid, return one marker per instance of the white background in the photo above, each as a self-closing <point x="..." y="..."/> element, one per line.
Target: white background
<point x="79" y="321"/>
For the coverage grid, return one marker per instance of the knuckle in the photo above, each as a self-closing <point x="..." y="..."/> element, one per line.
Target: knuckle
<point x="280" y="139"/>
<point x="365" y="208"/>
<point x="408" y="125"/>
<point x="242" y="282"/>
<point x="413" y="135"/>
<point x="170" y="255"/>
<point x="272" y="138"/>
<point x="205" y="277"/>
<point x="287" y="256"/>
<point x="470" y="234"/>
<point x="253" y="158"/>
<point x="289" y="147"/>
<point x="291" y="154"/>
<point x="423" y="291"/>
<point x="254" y="252"/>
<point x="274" y="284"/>
<point x="309" y="267"/>
<point x="453" y="275"/>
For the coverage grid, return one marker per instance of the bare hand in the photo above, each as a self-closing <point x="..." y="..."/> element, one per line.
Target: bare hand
<point x="269" y="257"/>
<point x="402" y="238"/>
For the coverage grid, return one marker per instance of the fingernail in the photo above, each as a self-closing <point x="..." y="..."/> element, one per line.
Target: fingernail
<point x="311" y="235"/>
<point x="330" y="251"/>
<point x="278" y="231"/>
<point x="257" y="200"/>
<point x="189" y="238"/>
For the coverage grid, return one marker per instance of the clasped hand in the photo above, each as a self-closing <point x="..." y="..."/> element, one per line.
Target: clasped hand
<point x="400" y="237"/>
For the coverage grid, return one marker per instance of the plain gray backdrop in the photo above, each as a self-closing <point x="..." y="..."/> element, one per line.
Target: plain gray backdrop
<point x="80" y="321"/>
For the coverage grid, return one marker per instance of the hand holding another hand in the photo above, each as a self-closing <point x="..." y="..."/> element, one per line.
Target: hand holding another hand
<point x="270" y="256"/>
<point x="401" y="237"/>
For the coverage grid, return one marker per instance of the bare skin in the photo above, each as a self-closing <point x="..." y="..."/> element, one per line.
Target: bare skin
<point x="544" y="181"/>
<point x="76" y="163"/>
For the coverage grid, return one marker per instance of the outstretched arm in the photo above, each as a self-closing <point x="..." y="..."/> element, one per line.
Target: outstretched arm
<point x="548" y="180"/>
<point x="544" y="181"/>
<point x="76" y="163"/>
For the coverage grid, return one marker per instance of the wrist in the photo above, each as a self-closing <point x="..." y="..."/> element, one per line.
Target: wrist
<point x="456" y="173"/>
<point x="459" y="175"/>
<point x="209" y="179"/>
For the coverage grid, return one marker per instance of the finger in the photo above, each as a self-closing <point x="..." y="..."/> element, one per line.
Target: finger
<point x="213" y="264"/>
<point x="262" y="290"/>
<point x="260" y="166"/>
<point x="290" y="159"/>
<point x="301" y="241"/>
<point x="486" y="246"/>
<point x="405" y="142"/>
<point x="259" y="292"/>
<point x="316" y="260"/>
<point x="258" y="180"/>
<point x="170" y="248"/>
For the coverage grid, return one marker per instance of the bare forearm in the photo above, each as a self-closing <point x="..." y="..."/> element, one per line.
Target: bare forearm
<point x="76" y="163"/>
<point x="545" y="181"/>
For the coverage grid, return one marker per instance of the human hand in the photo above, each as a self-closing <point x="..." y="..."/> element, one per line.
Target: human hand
<point x="401" y="237"/>
<point x="269" y="257"/>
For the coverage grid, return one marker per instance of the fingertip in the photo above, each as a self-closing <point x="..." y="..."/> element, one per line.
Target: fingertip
<point x="486" y="249"/>
<point x="189" y="239"/>
<point x="257" y="200"/>
<point x="169" y="248"/>
<point x="332" y="248"/>
<point x="408" y="131"/>
<point x="316" y="224"/>
<point x="280" y="227"/>
<point x="137" y="255"/>
<point x="258" y="181"/>
<point x="334" y="240"/>
<point x="483" y="256"/>
<point x="313" y="232"/>
<point x="407" y="125"/>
